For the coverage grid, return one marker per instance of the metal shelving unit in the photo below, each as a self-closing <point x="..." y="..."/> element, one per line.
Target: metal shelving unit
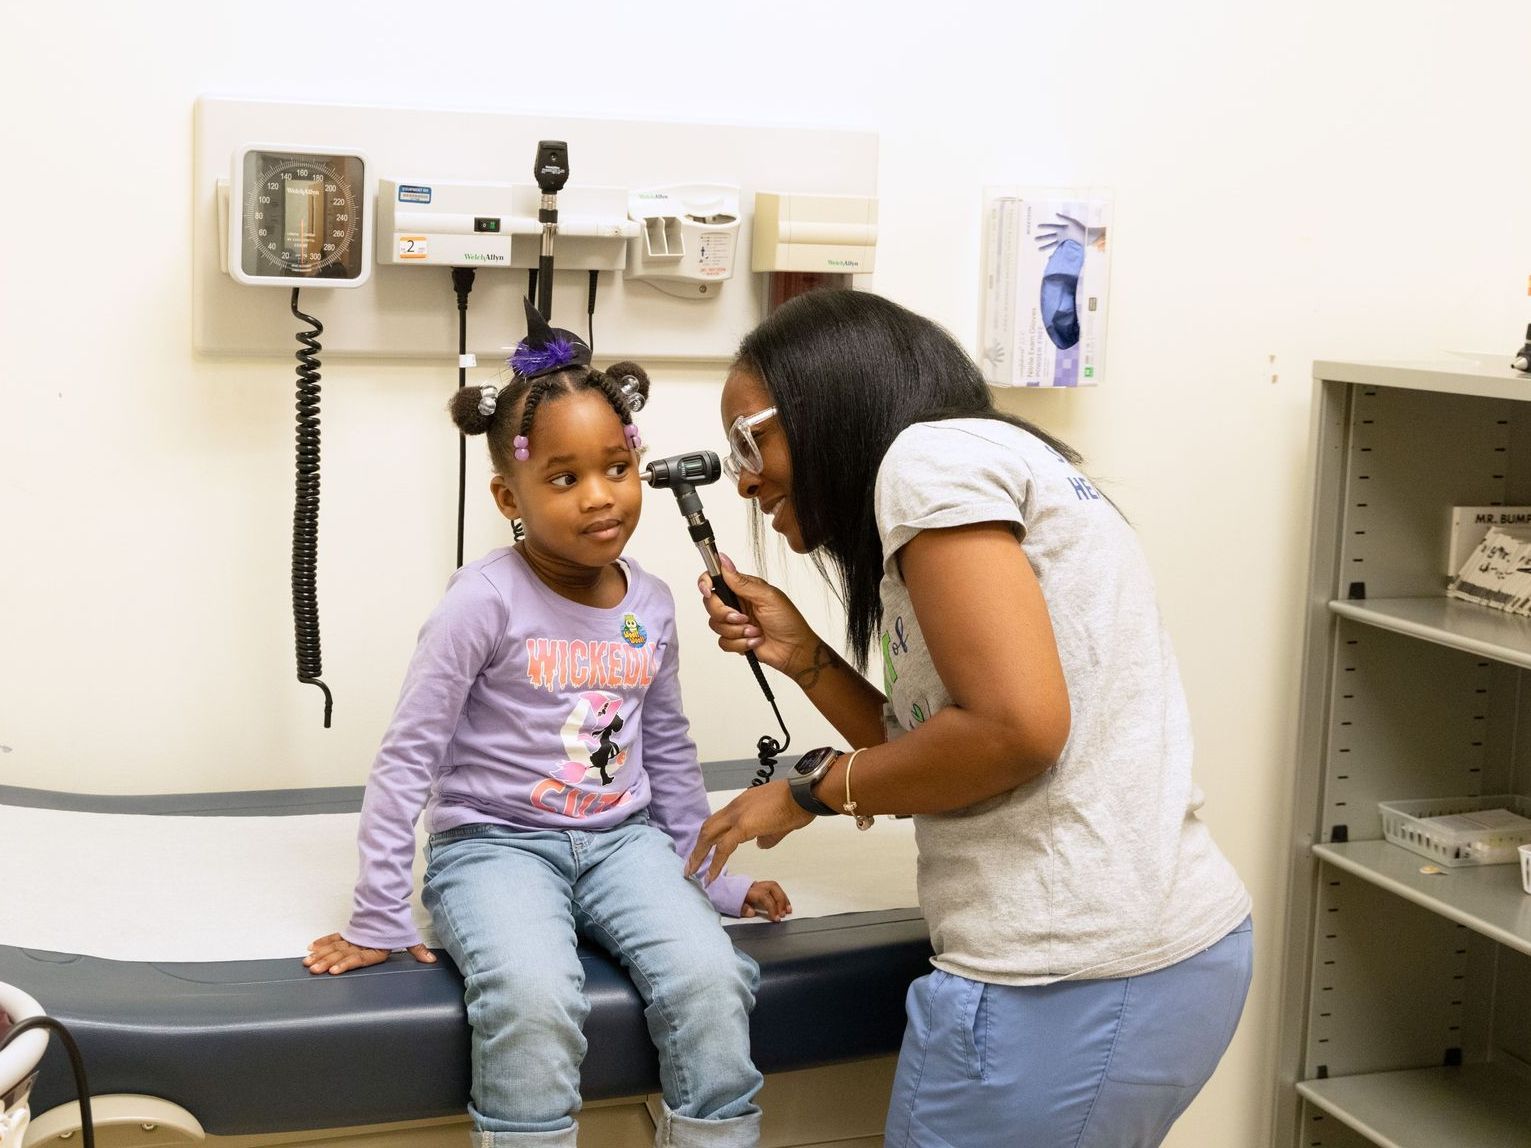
<point x="1406" y="993"/>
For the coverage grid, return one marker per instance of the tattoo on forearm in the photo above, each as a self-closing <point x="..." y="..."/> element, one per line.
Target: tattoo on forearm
<point x="823" y="658"/>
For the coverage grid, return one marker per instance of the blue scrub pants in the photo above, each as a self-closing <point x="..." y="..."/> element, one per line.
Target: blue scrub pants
<point x="1075" y="1064"/>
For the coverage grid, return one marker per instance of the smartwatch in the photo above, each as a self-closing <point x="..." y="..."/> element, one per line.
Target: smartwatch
<point x="807" y="772"/>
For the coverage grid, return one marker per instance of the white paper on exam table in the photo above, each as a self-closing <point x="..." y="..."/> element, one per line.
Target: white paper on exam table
<point x="143" y="887"/>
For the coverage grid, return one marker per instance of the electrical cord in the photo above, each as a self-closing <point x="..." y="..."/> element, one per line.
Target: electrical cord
<point x="768" y="749"/>
<point x="76" y="1063"/>
<point x="462" y="284"/>
<point x="305" y="513"/>
<point x="517" y="531"/>
<point x="595" y="277"/>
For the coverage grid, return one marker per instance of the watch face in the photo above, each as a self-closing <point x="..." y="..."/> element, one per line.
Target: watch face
<point x="814" y="758"/>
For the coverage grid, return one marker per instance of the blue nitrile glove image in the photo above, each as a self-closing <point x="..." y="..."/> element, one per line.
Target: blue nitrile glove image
<point x="1064" y="227"/>
<point x="1060" y="279"/>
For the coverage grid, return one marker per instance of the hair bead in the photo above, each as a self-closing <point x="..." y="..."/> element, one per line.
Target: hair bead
<point x="631" y="394"/>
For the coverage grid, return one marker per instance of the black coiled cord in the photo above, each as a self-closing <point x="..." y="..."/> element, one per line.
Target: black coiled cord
<point x="768" y="749"/>
<point x="76" y="1064"/>
<point x="305" y="511"/>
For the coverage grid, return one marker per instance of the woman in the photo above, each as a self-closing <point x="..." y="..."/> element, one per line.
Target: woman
<point x="1092" y="946"/>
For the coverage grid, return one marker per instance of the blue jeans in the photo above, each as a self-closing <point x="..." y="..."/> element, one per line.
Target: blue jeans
<point x="1075" y="1064"/>
<point x="507" y="905"/>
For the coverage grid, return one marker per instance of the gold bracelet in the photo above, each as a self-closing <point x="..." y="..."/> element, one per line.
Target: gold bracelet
<point x="863" y="820"/>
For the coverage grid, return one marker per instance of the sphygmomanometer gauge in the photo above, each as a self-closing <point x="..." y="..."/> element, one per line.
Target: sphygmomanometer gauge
<point x="303" y="217"/>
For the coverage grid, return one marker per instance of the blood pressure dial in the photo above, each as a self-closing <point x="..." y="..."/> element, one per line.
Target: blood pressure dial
<point x="302" y="218"/>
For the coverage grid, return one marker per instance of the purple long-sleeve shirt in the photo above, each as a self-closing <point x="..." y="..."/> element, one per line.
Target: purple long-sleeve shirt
<point x="525" y="709"/>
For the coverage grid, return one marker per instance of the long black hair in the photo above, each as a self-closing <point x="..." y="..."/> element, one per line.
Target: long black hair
<point x="849" y="371"/>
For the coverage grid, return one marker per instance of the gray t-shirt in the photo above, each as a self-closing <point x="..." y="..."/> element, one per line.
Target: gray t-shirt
<point x="1099" y="867"/>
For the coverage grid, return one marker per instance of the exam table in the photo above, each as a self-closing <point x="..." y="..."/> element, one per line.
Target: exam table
<point x="255" y="1046"/>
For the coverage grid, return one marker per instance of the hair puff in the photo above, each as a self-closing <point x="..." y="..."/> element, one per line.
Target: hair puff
<point x="465" y="412"/>
<point x="630" y="380"/>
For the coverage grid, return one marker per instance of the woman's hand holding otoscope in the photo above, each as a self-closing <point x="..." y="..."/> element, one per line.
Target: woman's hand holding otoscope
<point x="682" y="474"/>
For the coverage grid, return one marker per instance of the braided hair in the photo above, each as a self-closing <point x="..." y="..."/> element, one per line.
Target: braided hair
<point x="513" y="410"/>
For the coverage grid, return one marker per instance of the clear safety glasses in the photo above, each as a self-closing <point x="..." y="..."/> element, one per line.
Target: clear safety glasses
<point x="743" y="450"/>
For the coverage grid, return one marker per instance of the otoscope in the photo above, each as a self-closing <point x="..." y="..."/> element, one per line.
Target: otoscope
<point x="682" y="474"/>
<point x="551" y="172"/>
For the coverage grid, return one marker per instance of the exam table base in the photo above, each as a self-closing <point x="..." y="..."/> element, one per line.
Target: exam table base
<point x="835" y="1106"/>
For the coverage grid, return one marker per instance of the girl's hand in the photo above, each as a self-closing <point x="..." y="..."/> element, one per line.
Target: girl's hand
<point x="765" y="813"/>
<point x="769" y="623"/>
<point x="335" y="954"/>
<point x="766" y="899"/>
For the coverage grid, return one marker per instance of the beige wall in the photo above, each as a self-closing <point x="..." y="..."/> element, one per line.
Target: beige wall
<point x="1305" y="180"/>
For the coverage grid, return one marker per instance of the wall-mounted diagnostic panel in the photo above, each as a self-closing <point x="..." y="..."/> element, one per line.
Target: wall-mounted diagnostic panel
<point x="650" y="243"/>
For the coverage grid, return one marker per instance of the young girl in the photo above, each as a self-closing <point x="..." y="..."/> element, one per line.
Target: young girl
<point x="540" y="726"/>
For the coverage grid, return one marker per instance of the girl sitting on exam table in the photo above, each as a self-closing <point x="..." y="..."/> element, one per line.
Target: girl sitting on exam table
<point x="540" y="727"/>
<point x="1092" y="945"/>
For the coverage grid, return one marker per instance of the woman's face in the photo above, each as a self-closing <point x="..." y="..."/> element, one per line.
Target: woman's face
<point x="771" y="488"/>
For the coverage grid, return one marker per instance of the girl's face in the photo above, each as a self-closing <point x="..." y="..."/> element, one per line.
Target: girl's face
<point x="771" y="487"/>
<point x="578" y="495"/>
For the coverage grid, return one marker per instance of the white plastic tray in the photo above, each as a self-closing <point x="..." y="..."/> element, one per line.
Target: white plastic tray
<point x="1460" y="830"/>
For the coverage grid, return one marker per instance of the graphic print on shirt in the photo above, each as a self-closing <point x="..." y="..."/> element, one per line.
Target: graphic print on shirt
<point x="894" y="643"/>
<point x="1078" y="483"/>
<point x="588" y="735"/>
<point x="585" y="773"/>
<point x="591" y="760"/>
<point x="559" y="663"/>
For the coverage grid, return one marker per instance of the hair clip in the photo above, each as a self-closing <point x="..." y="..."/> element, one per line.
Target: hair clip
<point x="634" y="439"/>
<point x="488" y="399"/>
<point x="519" y="442"/>
<point x="631" y="394"/>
